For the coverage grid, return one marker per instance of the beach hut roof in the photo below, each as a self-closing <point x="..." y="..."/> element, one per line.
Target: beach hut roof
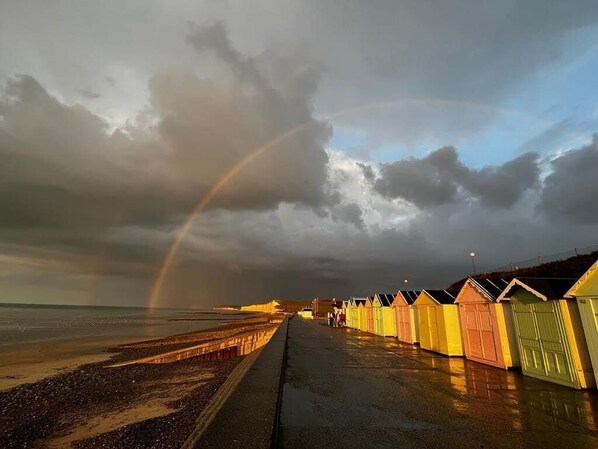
<point x="491" y="289"/>
<point x="386" y="299"/>
<point x="441" y="296"/>
<point x="544" y="288"/>
<point x="359" y="301"/>
<point x="582" y="280"/>
<point x="409" y="295"/>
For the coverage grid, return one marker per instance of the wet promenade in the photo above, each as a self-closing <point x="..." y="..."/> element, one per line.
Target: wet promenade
<point x="346" y="389"/>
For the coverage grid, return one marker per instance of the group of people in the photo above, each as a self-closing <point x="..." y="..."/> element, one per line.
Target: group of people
<point x="337" y="318"/>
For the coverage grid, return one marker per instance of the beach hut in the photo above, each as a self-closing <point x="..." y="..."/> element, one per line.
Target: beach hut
<point x="362" y="315"/>
<point x="384" y="321"/>
<point x="369" y="314"/>
<point x="355" y="315"/>
<point x="406" y="316"/>
<point x="345" y="309"/>
<point x="585" y="291"/>
<point x="438" y="321"/>
<point x="549" y="333"/>
<point x="487" y="325"/>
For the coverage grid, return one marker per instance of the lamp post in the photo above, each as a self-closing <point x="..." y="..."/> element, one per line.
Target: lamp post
<point x="472" y="255"/>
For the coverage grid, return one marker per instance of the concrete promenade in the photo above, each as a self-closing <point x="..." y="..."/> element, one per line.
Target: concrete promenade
<point x="346" y="389"/>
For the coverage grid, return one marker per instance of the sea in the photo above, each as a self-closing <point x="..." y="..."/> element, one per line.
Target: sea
<point x="32" y="323"/>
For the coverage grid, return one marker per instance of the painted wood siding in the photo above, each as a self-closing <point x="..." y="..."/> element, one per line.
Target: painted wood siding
<point x="440" y="328"/>
<point x="587" y="300"/>
<point x="355" y="317"/>
<point x="588" y="309"/>
<point x="551" y="345"/>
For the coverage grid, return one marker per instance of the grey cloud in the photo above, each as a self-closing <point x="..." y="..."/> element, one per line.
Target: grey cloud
<point x="70" y="185"/>
<point x="423" y="182"/>
<point x="472" y="52"/>
<point x="349" y="213"/>
<point x="438" y="178"/>
<point x="62" y="165"/>
<point x="569" y="192"/>
<point x="503" y="185"/>
<point x="368" y="172"/>
<point x="89" y="93"/>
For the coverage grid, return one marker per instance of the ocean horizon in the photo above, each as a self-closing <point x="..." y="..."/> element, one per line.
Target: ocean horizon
<point x="23" y="323"/>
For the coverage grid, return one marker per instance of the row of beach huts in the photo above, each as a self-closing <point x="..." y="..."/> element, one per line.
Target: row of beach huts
<point x="547" y="326"/>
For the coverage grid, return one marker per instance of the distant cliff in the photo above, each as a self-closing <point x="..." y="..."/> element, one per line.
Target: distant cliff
<point x="268" y="307"/>
<point x="273" y="306"/>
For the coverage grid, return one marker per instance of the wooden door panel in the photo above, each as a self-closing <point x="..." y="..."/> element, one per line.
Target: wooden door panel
<point x="404" y="323"/>
<point x="434" y="340"/>
<point x="551" y="340"/>
<point x="525" y="327"/>
<point x="487" y="333"/>
<point x="472" y="331"/>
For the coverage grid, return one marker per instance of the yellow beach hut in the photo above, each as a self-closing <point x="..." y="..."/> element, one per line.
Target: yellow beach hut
<point x="362" y="312"/>
<point x="487" y="325"/>
<point x="585" y="291"/>
<point x="438" y="321"/>
<point x="354" y="312"/>
<point x="406" y="316"/>
<point x="384" y="321"/>
<point x="369" y="314"/>
<point x="346" y="304"/>
<point x="549" y="333"/>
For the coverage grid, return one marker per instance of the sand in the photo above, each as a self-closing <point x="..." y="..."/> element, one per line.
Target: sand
<point x="32" y="362"/>
<point x="63" y="394"/>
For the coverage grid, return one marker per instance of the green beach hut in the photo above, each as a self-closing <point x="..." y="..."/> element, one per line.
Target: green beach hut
<point x="552" y="344"/>
<point x="585" y="291"/>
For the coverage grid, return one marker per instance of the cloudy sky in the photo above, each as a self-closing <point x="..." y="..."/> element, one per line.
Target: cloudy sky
<point x="289" y="149"/>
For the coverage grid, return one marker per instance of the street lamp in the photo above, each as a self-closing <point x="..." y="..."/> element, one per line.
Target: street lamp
<point x="472" y="255"/>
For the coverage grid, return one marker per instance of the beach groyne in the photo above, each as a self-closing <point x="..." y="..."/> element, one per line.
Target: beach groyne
<point x="238" y="344"/>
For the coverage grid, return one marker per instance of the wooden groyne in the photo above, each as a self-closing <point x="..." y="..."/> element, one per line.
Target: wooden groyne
<point x="241" y="343"/>
<point x="248" y="324"/>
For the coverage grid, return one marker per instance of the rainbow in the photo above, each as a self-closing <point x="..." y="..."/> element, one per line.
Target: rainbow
<point x="256" y="152"/>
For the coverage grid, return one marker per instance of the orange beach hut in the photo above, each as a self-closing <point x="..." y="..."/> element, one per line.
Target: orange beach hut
<point x="438" y="321"/>
<point x="406" y="316"/>
<point x="552" y="345"/>
<point x="487" y="325"/>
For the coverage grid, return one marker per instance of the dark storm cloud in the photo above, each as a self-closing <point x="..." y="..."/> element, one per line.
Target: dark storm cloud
<point x="438" y="178"/>
<point x="61" y="166"/>
<point x="349" y="213"/>
<point x="569" y="192"/>
<point x="109" y="202"/>
<point x="87" y="213"/>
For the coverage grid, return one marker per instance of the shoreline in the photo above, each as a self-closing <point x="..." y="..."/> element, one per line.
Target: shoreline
<point x="86" y="405"/>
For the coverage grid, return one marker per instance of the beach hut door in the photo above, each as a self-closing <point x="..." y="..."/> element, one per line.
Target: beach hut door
<point x="531" y="351"/>
<point x="404" y="323"/>
<point x="552" y="341"/>
<point x="480" y="332"/>
<point x="487" y="333"/>
<point x="542" y="344"/>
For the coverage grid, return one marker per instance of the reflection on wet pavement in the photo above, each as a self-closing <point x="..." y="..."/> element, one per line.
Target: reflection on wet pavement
<point x="368" y="390"/>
